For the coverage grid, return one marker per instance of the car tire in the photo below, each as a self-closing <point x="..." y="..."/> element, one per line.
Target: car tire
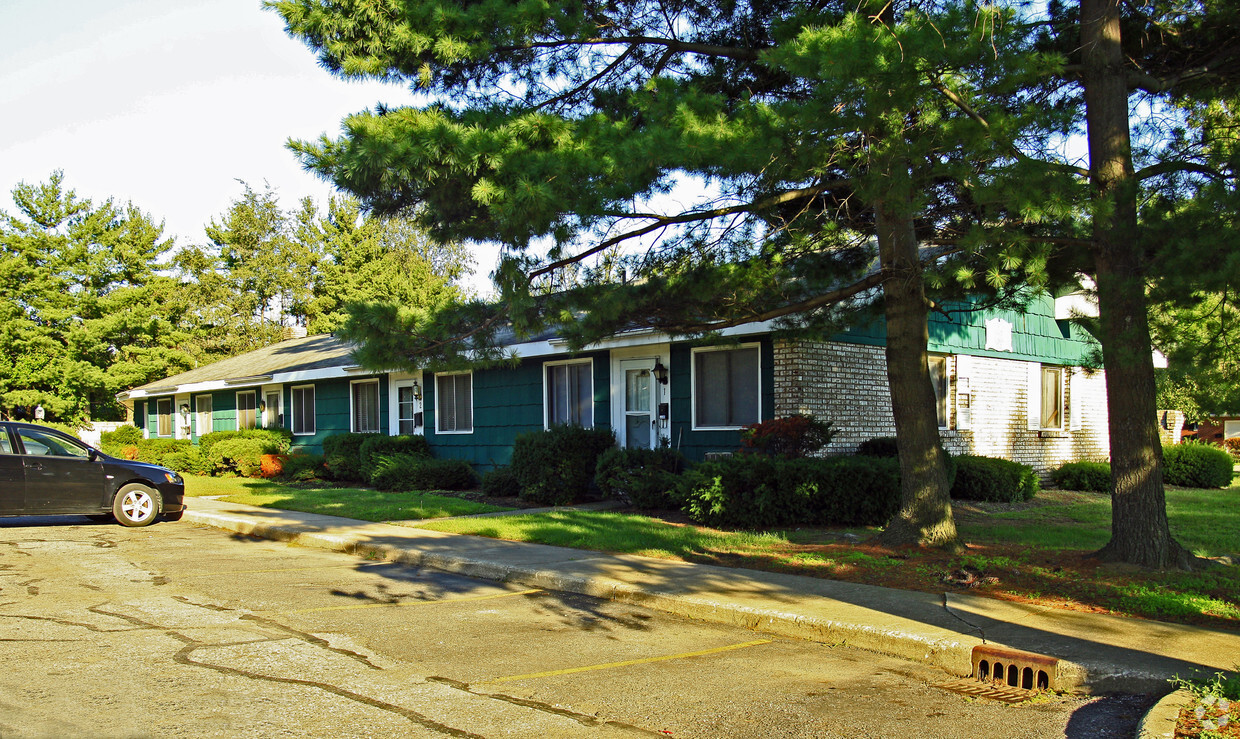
<point x="136" y="505"/>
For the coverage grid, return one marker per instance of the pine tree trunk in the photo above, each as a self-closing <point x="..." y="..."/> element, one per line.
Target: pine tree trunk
<point x="1139" y="531"/>
<point x="925" y="516"/>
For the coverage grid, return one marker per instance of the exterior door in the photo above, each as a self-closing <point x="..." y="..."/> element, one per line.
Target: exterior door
<point x="12" y="475"/>
<point x="271" y="416"/>
<point x="640" y="427"/>
<point x="60" y="475"/>
<point x="408" y="409"/>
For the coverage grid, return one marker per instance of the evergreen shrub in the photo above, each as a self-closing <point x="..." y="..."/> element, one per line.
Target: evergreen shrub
<point x="647" y="478"/>
<point x="556" y="466"/>
<point x="752" y="491"/>
<point x="190" y="460"/>
<point x="1196" y="465"/>
<point x="381" y="446"/>
<point x="303" y="467"/>
<point x="343" y="455"/>
<point x="277" y="441"/>
<point x="241" y="455"/>
<point x="121" y="436"/>
<point x="990" y="478"/>
<point x="879" y="446"/>
<point x="412" y="472"/>
<point x="156" y="451"/>
<point x="1091" y="476"/>
<point x="791" y="436"/>
<point x="1232" y="447"/>
<point x="501" y="482"/>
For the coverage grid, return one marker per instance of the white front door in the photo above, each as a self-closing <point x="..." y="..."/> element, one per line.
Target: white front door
<point x="408" y="408"/>
<point x="639" y="398"/>
<point x="271" y="416"/>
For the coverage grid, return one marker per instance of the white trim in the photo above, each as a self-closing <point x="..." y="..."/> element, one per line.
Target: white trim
<point x="182" y="430"/>
<point x="237" y="408"/>
<point x="947" y="387"/>
<point x="314" y="410"/>
<point x="439" y="416"/>
<point x="353" y="415"/>
<point x="172" y="416"/>
<point x="965" y="394"/>
<point x="198" y="414"/>
<point x="279" y="392"/>
<point x="547" y="391"/>
<point x="1073" y="378"/>
<point x="693" y="384"/>
<point x="1042" y="369"/>
<point x="1231" y="429"/>
<point x="397" y="381"/>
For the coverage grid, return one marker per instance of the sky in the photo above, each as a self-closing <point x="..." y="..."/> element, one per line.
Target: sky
<point x="166" y="105"/>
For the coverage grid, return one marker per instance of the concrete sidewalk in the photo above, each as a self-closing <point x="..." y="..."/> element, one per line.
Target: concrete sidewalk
<point x="1096" y="653"/>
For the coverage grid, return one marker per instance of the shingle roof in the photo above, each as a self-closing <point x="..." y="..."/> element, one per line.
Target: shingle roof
<point x="294" y="355"/>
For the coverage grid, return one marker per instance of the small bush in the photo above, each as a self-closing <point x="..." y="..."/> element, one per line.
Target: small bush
<point x="277" y="440"/>
<point x="303" y="467"/>
<point x="756" y="492"/>
<point x="410" y="472"/>
<point x="125" y="435"/>
<point x="556" y="466"/>
<point x="647" y="478"/>
<point x="271" y="465"/>
<point x="191" y="460"/>
<point x="1196" y="465"/>
<point x="156" y="451"/>
<point x="1232" y="447"/>
<point x="879" y="446"/>
<point x="382" y="446"/>
<point x="1091" y="476"/>
<point x="343" y="455"/>
<point x="989" y="478"/>
<point x="240" y="455"/>
<point x="792" y="436"/>
<point x="501" y="483"/>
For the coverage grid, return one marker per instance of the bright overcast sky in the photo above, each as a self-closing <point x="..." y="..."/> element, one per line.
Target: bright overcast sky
<point x="165" y="104"/>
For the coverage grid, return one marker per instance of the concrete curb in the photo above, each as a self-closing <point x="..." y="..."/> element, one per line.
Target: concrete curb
<point x="1159" y="722"/>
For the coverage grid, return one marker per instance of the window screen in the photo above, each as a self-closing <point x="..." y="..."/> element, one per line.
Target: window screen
<point x="725" y="387"/>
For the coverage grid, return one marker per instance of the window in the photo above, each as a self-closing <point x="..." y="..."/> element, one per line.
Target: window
<point x="454" y="403"/>
<point x="303" y="410"/>
<point x="4" y="443"/>
<point x="247" y="416"/>
<point x="163" y="408"/>
<point x="570" y="394"/>
<point x="203" y="404"/>
<point x="725" y="387"/>
<point x="38" y="442"/>
<point x="1052" y="397"/>
<point x="407" y="409"/>
<point x="365" y="397"/>
<point x="938" y="378"/>
<point x="1231" y="429"/>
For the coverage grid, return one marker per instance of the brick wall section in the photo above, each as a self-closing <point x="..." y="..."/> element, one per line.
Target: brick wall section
<point x="847" y="385"/>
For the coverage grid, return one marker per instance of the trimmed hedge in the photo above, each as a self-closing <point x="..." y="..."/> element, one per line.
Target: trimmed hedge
<point x="556" y="466"/>
<point x="501" y="483"/>
<point x="1090" y="476"/>
<point x="410" y="472"/>
<point x="647" y="478"/>
<point x="1196" y="465"/>
<point x="343" y="456"/>
<point x="751" y="491"/>
<point x="989" y="478"/>
<point x="122" y="436"/>
<point x="240" y="455"/>
<point x="879" y="446"/>
<point x="191" y="460"/>
<point x="303" y="468"/>
<point x="376" y="446"/>
<point x="276" y="441"/>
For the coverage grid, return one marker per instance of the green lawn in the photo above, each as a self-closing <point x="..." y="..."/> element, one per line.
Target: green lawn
<point x="363" y="504"/>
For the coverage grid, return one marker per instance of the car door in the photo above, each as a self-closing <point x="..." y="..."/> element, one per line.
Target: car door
<point x="12" y="475"/>
<point x="61" y="474"/>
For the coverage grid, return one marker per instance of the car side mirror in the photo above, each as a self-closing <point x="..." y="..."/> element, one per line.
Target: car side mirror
<point x="93" y="455"/>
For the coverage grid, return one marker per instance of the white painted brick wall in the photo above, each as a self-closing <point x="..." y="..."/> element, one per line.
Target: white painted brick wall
<point x="847" y="385"/>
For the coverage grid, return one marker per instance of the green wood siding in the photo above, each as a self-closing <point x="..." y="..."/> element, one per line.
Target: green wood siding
<point x="508" y="401"/>
<point x="695" y="444"/>
<point x="331" y="410"/>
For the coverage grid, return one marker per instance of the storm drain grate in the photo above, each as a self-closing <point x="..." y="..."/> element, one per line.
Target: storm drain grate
<point x="1008" y="675"/>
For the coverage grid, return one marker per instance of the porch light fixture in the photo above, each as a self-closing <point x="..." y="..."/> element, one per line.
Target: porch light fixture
<point x="417" y="391"/>
<point x="660" y="372"/>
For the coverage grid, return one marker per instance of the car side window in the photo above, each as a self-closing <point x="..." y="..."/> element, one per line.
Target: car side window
<point x="39" y="443"/>
<point x="5" y="446"/>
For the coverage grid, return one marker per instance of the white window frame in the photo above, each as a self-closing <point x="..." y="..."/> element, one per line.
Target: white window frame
<point x="439" y="429"/>
<point x="1231" y="429"/>
<point x="942" y="401"/>
<point x="254" y="409"/>
<point x="207" y="413"/>
<point x="352" y="410"/>
<point x="693" y="418"/>
<point x="1036" y="373"/>
<point x="160" y="415"/>
<point x="293" y="411"/>
<point x="547" y="366"/>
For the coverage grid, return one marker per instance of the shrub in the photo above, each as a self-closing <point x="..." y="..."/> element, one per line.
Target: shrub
<point x="277" y="441"/>
<point x="240" y="455"/>
<point x="124" y="435"/>
<point x="1232" y="447"/>
<point x="271" y="465"/>
<point x="303" y="467"/>
<point x="343" y="455"/>
<point x="792" y="436"/>
<point x="410" y="472"/>
<point x="1196" y="465"/>
<point x="375" y="446"/>
<point x="879" y="446"/>
<point x="647" y="478"/>
<point x="753" y="491"/>
<point x="556" y="466"/>
<point x="156" y="451"/>
<point x="501" y="482"/>
<point x="1092" y="476"/>
<point x="191" y="460"/>
<point x="989" y="478"/>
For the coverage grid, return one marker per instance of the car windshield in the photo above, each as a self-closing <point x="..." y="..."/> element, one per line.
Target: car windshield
<point x="44" y="444"/>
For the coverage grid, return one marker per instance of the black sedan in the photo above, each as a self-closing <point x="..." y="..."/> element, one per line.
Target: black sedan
<point x="44" y="472"/>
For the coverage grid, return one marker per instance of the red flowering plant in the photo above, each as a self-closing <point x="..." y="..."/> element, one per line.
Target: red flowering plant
<point x="790" y="437"/>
